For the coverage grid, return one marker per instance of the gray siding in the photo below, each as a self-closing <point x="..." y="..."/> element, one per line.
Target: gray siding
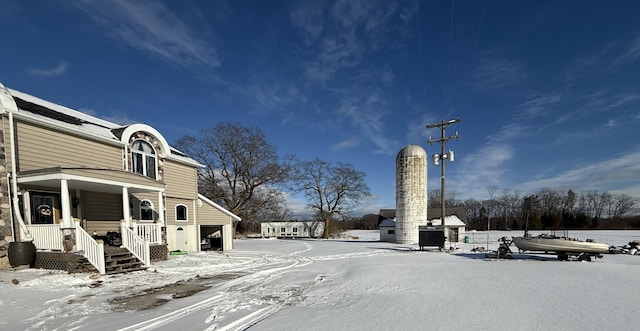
<point x="101" y="206"/>
<point x="171" y="210"/>
<point x="41" y="147"/>
<point x="209" y="215"/>
<point x="181" y="180"/>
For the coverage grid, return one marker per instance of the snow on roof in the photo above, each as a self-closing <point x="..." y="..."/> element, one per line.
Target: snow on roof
<point x="452" y="220"/>
<point x="387" y="222"/>
<point x="48" y="113"/>
<point x="63" y="110"/>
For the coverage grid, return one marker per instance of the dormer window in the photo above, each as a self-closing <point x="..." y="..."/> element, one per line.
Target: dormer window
<point x="143" y="159"/>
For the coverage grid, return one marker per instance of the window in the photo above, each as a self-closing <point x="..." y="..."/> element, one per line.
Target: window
<point x="283" y="230"/>
<point x="143" y="159"/>
<point x="391" y="231"/>
<point x="295" y="230"/>
<point x="181" y="213"/>
<point x="146" y="210"/>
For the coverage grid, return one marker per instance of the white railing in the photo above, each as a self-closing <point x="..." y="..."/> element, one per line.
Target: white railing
<point x="92" y="250"/>
<point x="46" y="236"/>
<point x="136" y="245"/>
<point x="150" y="232"/>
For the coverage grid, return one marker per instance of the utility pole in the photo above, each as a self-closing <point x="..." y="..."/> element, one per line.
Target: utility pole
<point x="441" y="158"/>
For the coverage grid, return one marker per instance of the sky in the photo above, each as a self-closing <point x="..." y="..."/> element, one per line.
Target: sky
<point x="547" y="91"/>
<point x="353" y="283"/>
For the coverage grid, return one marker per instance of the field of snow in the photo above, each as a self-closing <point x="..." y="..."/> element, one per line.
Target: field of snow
<point x="351" y="283"/>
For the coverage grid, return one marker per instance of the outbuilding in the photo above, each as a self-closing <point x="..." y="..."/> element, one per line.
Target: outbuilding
<point x="388" y="230"/>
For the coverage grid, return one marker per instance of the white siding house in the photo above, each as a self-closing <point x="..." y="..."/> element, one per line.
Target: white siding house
<point x="292" y="229"/>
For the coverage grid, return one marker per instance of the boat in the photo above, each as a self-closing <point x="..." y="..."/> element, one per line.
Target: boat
<point x="561" y="245"/>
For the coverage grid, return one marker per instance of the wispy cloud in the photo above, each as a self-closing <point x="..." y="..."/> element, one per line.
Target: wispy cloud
<point x="538" y="105"/>
<point x="630" y="52"/>
<point x="365" y="111"/>
<point x="152" y="27"/>
<point x="58" y="70"/>
<point x="496" y="72"/>
<point x="623" y="99"/>
<point x="340" y="36"/>
<point x="606" y="174"/>
<point x="346" y="144"/>
<point x="487" y="165"/>
<point x="611" y="124"/>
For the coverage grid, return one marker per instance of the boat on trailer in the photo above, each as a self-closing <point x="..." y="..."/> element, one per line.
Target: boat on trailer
<point x="564" y="247"/>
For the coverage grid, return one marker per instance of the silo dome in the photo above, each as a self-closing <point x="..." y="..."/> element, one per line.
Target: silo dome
<point x="411" y="193"/>
<point x="411" y="151"/>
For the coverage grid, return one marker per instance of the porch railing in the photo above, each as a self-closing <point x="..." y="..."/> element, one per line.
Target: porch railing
<point x="46" y="236"/>
<point x="93" y="250"/>
<point x="138" y="246"/>
<point x="150" y="232"/>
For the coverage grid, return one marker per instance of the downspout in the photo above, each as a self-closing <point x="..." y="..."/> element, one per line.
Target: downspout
<point x="14" y="183"/>
<point x="13" y="228"/>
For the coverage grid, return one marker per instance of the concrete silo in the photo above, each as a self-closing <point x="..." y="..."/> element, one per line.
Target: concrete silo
<point x="411" y="193"/>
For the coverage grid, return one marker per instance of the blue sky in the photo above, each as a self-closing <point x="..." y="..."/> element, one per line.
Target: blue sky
<point x="548" y="91"/>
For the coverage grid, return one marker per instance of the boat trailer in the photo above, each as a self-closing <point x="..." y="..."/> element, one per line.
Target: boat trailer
<point x="504" y="252"/>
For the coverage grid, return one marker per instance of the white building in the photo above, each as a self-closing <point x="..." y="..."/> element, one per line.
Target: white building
<point x="454" y="222"/>
<point x="292" y="229"/>
<point x="388" y="230"/>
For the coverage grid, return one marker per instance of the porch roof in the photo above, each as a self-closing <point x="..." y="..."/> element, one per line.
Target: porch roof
<point x="90" y="179"/>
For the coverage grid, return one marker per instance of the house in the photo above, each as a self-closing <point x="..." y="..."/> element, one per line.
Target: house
<point x="388" y="230"/>
<point x="455" y="223"/>
<point x="292" y="229"/>
<point x="69" y="178"/>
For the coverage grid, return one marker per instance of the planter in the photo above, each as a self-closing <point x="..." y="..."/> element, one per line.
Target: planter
<point x="22" y="253"/>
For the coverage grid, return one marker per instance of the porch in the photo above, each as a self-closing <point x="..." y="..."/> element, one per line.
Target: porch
<point x="70" y="209"/>
<point x="78" y="251"/>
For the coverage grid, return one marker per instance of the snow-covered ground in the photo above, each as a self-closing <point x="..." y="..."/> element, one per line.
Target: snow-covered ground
<point x="343" y="284"/>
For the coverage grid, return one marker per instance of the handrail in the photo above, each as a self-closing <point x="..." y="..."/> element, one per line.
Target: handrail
<point x="93" y="250"/>
<point x="138" y="246"/>
<point x="151" y="232"/>
<point x="46" y="236"/>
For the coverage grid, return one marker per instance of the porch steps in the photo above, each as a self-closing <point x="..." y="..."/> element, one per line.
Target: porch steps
<point x="120" y="260"/>
<point x="80" y="264"/>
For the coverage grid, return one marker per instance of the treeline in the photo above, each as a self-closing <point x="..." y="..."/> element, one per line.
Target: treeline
<point x="547" y="209"/>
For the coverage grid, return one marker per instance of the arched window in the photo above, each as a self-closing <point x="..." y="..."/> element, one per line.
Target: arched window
<point x="146" y="210"/>
<point x="143" y="159"/>
<point x="181" y="213"/>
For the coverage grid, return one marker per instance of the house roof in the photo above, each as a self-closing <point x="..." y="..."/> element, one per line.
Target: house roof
<point x="46" y="113"/>
<point x="449" y="221"/>
<point x="432" y="213"/>
<point x="387" y="222"/>
<point x="461" y="212"/>
<point x="217" y="206"/>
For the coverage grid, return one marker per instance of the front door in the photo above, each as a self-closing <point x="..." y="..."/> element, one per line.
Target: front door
<point x="44" y="208"/>
<point x="181" y="239"/>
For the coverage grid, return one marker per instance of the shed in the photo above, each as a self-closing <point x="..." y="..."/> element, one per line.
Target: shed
<point x="455" y="222"/>
<point x="388" y="230"/>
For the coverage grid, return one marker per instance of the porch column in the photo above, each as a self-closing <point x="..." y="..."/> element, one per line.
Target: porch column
<point x="160" y="209"/>
<point x="126" y="212"/>
<point x="66" y="205"/>
<point x="78" y="206"/>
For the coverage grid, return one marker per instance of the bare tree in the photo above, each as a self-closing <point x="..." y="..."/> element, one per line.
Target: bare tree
<point x="237" y="162"/>
<point x="620" y="205"/>
<point x="331" y="190"/>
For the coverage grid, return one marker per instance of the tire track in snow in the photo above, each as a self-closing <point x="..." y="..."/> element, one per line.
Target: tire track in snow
<point x="229" y="292"/>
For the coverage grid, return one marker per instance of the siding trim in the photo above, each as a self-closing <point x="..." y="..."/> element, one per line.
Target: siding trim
<point x="43" y="177"/>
